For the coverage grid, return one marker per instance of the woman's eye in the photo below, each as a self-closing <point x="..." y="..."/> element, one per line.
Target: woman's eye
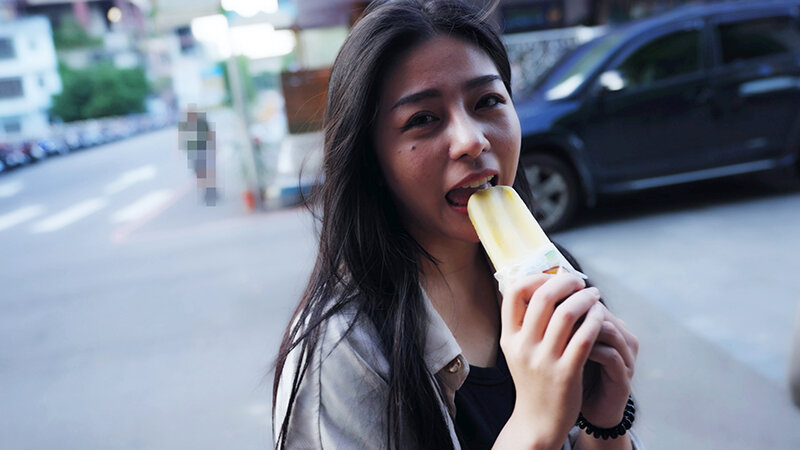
<point x="420" y="120"/>
<point x="490" y="101"/>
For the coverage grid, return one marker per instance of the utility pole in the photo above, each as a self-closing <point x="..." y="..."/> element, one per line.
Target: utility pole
<point x="255" y="186"/>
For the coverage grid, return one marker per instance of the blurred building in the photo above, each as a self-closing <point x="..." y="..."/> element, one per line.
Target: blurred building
<point x="28" y="77"/>
<point x="88" y="32"/>
<point x="514" y="16"/>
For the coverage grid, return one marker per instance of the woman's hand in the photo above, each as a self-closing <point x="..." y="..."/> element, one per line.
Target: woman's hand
<point x="546" y="347"/>
<point x="608" y="381"/>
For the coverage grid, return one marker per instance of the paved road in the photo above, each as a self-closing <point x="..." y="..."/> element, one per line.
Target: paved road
<point x="707" y="277"/>
<point x="132" y="317"/>
<point x="149" y="329"/>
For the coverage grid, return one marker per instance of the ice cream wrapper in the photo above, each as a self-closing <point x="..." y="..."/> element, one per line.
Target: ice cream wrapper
<point x="547" y="259"/>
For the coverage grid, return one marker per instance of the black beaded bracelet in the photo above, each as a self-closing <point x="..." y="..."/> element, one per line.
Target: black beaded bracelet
<point x="614" y="432"/>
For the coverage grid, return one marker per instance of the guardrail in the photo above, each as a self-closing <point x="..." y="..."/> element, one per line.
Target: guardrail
<point x="532" y="53"/>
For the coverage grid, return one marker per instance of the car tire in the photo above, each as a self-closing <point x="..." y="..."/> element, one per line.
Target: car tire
<point x="554" y="188"/>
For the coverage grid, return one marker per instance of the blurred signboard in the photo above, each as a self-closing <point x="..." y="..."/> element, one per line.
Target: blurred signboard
<point x="532" y="17"/>
<point x="54" y="2"/>
<point x="305" y="92"/>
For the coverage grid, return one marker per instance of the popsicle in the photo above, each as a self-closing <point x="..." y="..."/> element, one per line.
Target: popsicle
<point x="513" y="239"/>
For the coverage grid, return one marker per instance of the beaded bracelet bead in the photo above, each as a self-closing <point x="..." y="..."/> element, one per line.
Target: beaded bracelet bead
<point x="627" y="421"/>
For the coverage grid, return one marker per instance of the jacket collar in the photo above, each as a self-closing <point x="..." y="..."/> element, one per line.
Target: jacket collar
<point x="442" y="353"/>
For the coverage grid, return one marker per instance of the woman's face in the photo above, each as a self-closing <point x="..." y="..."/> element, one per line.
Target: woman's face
<point x="445" y="127"/>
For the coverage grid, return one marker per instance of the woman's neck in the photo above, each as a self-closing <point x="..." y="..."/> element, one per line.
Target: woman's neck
<point x="456" y="264"/>
<point x="463" y="292"/>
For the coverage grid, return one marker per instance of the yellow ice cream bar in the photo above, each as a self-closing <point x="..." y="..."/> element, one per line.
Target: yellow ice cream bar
<point x="507" y="229"/>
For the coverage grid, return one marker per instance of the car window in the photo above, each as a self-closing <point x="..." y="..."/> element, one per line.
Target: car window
<point x="570" y="74"/>
<point x="665" y="57"/>
<point x="758" y="38"/>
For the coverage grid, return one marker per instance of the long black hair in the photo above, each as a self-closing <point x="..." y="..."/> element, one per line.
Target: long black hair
<point x="366" y="258"/>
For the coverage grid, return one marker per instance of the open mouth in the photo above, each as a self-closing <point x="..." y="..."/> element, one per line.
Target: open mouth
<point x="460" y="195"/>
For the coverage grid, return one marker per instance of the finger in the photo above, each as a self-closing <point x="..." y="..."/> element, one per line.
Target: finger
<point x="611" y="336"/>
<point x="544" y="300"/>
<point x="611" y="361"/>
<point x="631" y="340"/>
<point x="566" y="316"/>
<point x="512" y="311"/>
<point x="580" y="346"/>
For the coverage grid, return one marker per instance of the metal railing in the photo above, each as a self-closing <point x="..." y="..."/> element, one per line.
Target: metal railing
<point x="532" y="53"/>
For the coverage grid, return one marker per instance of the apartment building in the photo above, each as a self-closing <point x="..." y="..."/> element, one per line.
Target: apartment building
<point x="28" y="77"/>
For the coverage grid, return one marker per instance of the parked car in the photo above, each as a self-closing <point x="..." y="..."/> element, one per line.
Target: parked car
<point x="73" y="139"/>
<point x="54" y="146"/>
<point x="13" y="155"/>
<point x="34" y="151"/>
<point x="702" y="92"/>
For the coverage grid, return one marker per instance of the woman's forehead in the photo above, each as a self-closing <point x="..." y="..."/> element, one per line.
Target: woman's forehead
<point x="438" y="63"/>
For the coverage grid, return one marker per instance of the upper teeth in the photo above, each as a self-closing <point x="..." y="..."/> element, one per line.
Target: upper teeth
<point x="478" y="183"/>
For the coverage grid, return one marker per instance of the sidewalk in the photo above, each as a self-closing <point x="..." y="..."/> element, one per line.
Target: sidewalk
<point x="691" y="394"/>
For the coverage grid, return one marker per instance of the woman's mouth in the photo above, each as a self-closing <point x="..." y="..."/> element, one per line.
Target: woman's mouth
<point x="459" y="196"/>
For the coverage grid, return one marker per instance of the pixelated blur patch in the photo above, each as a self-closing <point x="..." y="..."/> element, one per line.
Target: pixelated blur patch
<point x="197" y="137"/>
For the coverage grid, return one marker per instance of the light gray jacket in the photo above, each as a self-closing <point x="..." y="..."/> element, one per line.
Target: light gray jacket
<point x="341" y="403"/>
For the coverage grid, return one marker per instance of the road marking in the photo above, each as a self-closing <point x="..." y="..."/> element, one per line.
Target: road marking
<point x="69" y="216"/>
<point x="130" y="178"/>
<point x="120" y="235"/>
<point x="141" y="207"/>
<point x="10" y="189"/>
<point x="19" y="216"/>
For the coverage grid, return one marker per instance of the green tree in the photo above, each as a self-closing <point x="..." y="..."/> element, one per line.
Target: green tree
<point x="100" y="91"/>
<point x="69" y="35"/>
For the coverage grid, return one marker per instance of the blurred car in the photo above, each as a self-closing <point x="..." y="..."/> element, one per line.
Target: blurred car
<point x="702" y="92"/>
<point x="54" y="146"/>
<point x="73" y="139"/>
<point x="33" y="150"/>
<point x="13" y="155"/>
<point x="91" y="134"/>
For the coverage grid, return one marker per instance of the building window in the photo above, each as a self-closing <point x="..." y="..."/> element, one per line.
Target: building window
<point x="12" y="125"/>
<point x="10" y="88"/>
<point x="7" y="48"/>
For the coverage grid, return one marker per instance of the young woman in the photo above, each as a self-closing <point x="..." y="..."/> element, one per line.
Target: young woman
<point x="401" y="339"/>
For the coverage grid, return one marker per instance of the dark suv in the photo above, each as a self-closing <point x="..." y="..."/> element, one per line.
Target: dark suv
<point x="702" y="92"/>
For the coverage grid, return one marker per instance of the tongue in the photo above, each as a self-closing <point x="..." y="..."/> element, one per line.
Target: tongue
<point x="459" y="196"/>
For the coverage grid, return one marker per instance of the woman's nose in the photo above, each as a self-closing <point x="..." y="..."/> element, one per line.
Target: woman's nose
<point x="466" y="137"/>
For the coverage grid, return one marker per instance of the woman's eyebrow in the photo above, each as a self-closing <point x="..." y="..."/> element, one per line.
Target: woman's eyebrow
<point x="428" y="93"/>
<point x="417" y="96"/>
<point x="480" y="81"/>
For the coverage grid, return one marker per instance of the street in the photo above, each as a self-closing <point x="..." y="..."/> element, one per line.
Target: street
<point x="133" y="316"/>
<point x="156" y="331"/>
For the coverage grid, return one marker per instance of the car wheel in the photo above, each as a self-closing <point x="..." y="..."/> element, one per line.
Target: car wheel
<point x="554" y="188"/>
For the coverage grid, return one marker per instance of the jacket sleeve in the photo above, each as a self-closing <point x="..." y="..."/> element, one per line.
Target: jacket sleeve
<point x="341" y="401"/>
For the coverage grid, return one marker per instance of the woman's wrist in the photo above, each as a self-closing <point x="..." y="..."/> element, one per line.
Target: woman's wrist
<point x="613" y="430"/>
<point x="518" y="433"/>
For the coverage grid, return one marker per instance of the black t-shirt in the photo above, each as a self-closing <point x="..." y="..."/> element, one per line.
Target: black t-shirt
<point x="483" y="404"/>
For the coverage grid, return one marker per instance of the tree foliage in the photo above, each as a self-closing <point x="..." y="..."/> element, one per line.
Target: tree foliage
<point x="69" y="35"/>
<point x="100" y="91"/>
